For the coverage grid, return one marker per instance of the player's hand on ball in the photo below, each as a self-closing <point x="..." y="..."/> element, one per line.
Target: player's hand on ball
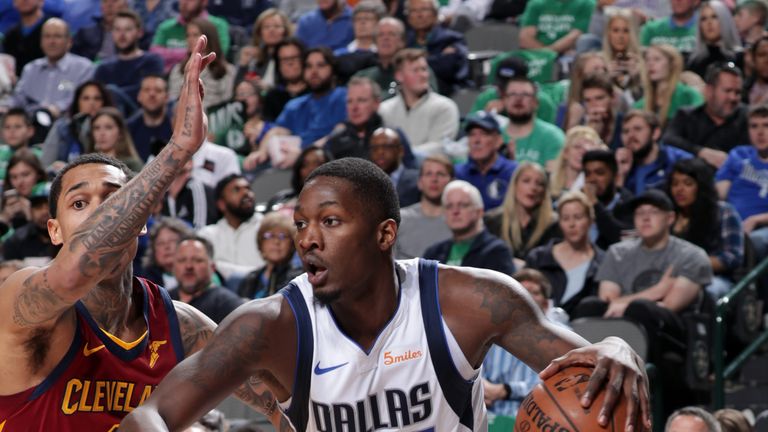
<point x="617" y="370"/>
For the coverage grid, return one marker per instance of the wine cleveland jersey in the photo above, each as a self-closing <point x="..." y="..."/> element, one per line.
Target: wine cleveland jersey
<point x="414" y="378"/>
<point x="101" y="378"/>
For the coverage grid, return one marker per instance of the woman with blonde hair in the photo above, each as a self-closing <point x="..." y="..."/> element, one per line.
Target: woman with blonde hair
<point x="109" y="135"/>
<point x="566" y="170"/>
<point x="525" y="219"/>
<point x="570" y="264"/>
<point x="663" y="93"/>
<point x="257" y="60"/>
<point x="621" y="47"/>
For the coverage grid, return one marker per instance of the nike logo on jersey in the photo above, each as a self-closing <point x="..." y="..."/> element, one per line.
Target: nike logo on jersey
<point x="323" y="371"/>
<point x="87" y="352"/>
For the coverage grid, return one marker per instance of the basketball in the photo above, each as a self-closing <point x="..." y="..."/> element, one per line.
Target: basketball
<point x="554" y="406"/>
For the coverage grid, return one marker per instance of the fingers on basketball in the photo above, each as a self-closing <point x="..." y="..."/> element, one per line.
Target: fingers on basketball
<point x="555" y="404"/>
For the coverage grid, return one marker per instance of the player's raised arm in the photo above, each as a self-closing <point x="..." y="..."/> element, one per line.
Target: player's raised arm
<point x="103" y="241"/>
<point x="254" y="341"/>
<point x="506" y="316"/>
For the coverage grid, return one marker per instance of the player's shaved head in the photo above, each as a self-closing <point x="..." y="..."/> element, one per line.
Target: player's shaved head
<point x="373" y="186"/>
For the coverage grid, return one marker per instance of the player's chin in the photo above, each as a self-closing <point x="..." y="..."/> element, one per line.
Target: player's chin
<point x="326" y="295"/>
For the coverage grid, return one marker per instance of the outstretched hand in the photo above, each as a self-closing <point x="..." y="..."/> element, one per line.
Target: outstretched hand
<point x="617" y="370"/>
<point x="190" y="124"/>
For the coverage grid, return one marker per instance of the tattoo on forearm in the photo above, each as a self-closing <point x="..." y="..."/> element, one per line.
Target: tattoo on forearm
<point x="509" y="310"/>
<point x="37" y="302"/>
<point x="241" y="345"/>
<point x="105" y="235"/>
<point x="187" y="131"/>
<point x="257" y="395"/>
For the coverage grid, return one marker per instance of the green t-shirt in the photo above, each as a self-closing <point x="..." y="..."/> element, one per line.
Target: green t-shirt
<point x="541" y="63"/>
<point x="547" y="109"/>
<point x="459" y="251"/>
<point x="557" y="91"/>
<point x="543" y="144"/>
<point x="553" y="19"/>
<point x="683" y="97"/>
<point x="661" y="31"/>
<point x="172" y="34"/>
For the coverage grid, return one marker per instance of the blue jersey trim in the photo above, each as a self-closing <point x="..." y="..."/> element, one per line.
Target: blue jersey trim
<point x="112" y="346"/>
<point x="298" y="411"/>
<point x="457" y="390"/>
<point x="61" y="367"/>
<point x="173" y="322"/>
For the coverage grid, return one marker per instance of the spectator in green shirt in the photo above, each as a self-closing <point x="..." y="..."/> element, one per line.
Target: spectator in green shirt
<point x="663" y="92"/>
<point x="527" y="137"/>
<point x="489" y="99"/>
<point x="554" y="24"/>
<point x="678" y="29"/>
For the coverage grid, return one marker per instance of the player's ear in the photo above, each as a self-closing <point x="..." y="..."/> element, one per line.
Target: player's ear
<point x="387" y="234"/>
<point x="144" y="230"/>
<point x="54" y="231"/>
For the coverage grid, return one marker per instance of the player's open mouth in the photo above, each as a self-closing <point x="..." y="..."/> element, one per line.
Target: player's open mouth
<point x="316" y="274"/>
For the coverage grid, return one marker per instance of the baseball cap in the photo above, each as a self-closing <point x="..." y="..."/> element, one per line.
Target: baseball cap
<point x="653" y="197"/>
<point x="482" y="119"/>
<point x="511" y="67"/>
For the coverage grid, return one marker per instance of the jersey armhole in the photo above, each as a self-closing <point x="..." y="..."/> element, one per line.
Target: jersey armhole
<point x="457" y="390"/>
<point x="173" y="322"/>
<point x="298" y="404"/>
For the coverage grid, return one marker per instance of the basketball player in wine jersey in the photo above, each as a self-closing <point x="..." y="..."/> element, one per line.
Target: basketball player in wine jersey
<point x="84" y="342"/>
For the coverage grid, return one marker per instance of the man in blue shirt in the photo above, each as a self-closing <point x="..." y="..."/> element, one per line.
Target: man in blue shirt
<point x="126" y="71"/>
<point x="486" y="169"/>
<point x="314" y="115"/>
<point x="651" y="161"/>
<point x="330" y="25"/>
<point x="743" y="180"/>
<point x="22" y="38"/>
<point x="50" y="82"/>
<point x="150" y="127"/>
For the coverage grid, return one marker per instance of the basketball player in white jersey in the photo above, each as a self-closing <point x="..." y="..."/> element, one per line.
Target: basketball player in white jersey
<point x="364" y="343"/>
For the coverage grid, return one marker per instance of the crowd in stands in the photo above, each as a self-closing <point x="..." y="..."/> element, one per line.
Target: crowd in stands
<point x="615" y="162"/>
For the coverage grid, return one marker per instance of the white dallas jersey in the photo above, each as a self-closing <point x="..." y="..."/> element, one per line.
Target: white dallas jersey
<point x="415" y="377"/>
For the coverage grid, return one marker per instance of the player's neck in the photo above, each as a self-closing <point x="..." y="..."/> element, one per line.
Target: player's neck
<point x="363" y="317"/>
<point x="111" y="303"/>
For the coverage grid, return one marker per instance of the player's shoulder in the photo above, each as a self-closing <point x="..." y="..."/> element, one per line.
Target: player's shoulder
<point x="461" y="284"/>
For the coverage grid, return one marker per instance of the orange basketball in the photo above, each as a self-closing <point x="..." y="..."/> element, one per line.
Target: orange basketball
<point x="554" y="406"/>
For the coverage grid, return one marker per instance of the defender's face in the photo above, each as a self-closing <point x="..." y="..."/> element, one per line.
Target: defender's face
<point x="83" y="189"/>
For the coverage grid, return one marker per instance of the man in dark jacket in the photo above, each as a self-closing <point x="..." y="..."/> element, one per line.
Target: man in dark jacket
<point x="193" y="269"/>
<point x="711" y="130"/>
<point x="611" y="203"/>
<point x="447" y="49"/>
<point x="352" y="138"/>
<point x="472" y="245"/>
<point x="388" y="153"/>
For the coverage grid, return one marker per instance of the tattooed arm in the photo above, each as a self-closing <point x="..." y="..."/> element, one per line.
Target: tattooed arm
<point x="257" y="340"/>
<point x="504" y="314"/>
<point x="102" y="245"/>
<point x="196" y="329"/>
